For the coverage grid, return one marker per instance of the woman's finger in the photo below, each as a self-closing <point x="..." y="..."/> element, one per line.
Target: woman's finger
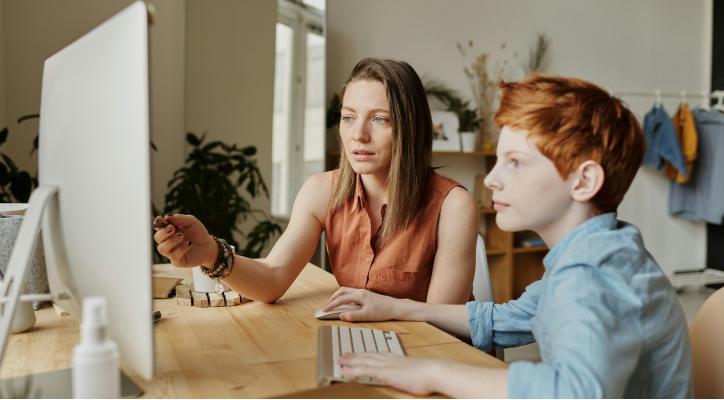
<point x="338" y="293"/>
<point x="167" y="246"/>
<point x="178" y="253"/>
<point x="161" y="235"/>
<point x="343" y="299"/>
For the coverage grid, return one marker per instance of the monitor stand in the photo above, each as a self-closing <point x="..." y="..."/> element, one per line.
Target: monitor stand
<point x="55" y="385"/>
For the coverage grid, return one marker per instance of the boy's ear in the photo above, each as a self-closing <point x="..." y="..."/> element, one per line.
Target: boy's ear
<point x="588" y="181"/>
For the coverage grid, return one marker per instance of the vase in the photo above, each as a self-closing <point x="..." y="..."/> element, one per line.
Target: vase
<point x="467" y="142"/>
<point x="36" y="277"/>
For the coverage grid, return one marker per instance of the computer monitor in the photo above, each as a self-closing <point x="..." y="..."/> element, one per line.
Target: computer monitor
<point x="94" y="184"/>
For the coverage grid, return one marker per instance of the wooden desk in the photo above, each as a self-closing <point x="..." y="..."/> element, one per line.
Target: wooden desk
<point x="250" y="350"/>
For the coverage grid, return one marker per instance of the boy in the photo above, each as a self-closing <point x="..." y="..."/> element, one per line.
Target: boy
<point x="606" y="319"/>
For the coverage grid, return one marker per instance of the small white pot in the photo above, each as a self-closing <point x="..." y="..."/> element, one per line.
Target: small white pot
<point x="24" y="317"/>
<point x="467" y="142"/>
<point x="203" y="283"/>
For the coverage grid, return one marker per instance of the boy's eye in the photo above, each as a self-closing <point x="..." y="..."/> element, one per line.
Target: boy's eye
<point x="514" y="163"/>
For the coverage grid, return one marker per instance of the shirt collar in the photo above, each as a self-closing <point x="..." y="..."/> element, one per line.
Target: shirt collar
<point x="598" y="223"/>
<point x="359" y="194"/>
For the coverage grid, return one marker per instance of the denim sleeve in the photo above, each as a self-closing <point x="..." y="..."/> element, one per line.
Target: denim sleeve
<point x="651" y="156"/>
<point x="592" y="339"/>
<point x="669" y="146"/>
<point x="506" y="324"/>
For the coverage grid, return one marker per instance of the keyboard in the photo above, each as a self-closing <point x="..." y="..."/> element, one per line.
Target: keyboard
<point x="334" y="340"/>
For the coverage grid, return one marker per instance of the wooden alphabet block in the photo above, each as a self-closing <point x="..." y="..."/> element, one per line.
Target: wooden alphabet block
<point x="200" y="299"/>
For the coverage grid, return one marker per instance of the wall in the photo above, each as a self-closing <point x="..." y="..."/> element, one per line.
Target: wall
<point x="230" y="75"/>
<point x="619" y="44"/>
<point x="3" y="118"/>
<point x="35" y="29"/>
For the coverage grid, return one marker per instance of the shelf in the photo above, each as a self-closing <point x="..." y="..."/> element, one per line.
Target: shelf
<point x="463" y="154"/>
<point x="491" y="251"/>
<point x="532" y="249"/>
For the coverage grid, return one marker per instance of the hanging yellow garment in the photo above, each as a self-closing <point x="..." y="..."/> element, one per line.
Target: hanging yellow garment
<point x="688" y="137"/>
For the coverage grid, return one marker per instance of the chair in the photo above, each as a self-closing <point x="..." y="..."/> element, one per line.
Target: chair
<point x="482" y="289"/>
<point x="707" y="347"/>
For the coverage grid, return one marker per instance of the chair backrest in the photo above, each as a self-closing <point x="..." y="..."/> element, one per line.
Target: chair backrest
<point x="482" y="289"/>
<point x="707" y="347"/>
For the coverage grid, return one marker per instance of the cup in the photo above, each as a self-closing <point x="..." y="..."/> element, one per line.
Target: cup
<point x="202" y="283"/>
<point x="24" y="317"/>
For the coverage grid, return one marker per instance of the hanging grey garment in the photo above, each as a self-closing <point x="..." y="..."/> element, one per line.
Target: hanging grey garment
<point x="36" y="278"/>
<point x="702" y="198"/>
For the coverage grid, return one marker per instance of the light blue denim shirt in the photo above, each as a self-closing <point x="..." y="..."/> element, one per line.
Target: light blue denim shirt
<point x="606" y="319"/>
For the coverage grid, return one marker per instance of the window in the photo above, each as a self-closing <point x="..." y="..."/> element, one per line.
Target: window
<point x="298" y="128"/>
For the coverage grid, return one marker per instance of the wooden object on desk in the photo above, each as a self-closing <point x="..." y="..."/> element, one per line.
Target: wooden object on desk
<point x="183" y="295"/>
<point x="258" y="350"/>
<point x="163" y="286"/>
<point x="216" y="300"/>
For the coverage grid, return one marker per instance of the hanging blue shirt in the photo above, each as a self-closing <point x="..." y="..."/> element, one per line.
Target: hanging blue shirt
<point x="606" y="319"/>
<point x="662" y="142"/>
<point x="702" y="198"/>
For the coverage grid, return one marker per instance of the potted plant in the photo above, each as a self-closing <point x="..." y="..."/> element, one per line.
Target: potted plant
<point x="210" y="185"/>
<point x="468" y="119"/>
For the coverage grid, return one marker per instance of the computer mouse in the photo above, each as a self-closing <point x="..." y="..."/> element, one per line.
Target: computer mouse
<point x="334" y="314"/>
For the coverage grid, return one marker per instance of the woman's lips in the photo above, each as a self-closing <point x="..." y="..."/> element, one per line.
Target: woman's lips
<point x="362" y="155"/>
<point x="500" y="206"/>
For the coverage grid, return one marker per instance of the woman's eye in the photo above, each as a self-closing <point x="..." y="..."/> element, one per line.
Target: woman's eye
<point x="380" y="120"/>
<point x="347" y="118"/>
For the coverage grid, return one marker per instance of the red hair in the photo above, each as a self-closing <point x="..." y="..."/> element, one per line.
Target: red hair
<point x="572" y="121"/>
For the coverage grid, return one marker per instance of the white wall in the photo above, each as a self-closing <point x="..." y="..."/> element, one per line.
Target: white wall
<point x="230" y="75"/>
<point x="3" y="119"/>
<point x="33" y="30"/>
<point x="622" y="45"/>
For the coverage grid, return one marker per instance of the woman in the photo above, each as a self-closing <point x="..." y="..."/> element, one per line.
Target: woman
<point x="393" y="225"/>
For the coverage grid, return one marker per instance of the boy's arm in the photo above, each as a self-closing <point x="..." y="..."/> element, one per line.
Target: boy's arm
<point x="505" y="325"/>
<point x="591" y="336"/>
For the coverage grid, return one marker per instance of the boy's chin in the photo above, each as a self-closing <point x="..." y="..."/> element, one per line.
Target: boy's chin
<point x="509" y="223"/>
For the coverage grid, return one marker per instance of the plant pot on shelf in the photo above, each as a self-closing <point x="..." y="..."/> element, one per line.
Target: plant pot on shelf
<point x="467" y="142"/>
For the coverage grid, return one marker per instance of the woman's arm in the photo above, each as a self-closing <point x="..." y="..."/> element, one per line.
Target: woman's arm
<point x="454" y="266"/>
<point x="187" y="243"/>
<point x="269" y="278"/>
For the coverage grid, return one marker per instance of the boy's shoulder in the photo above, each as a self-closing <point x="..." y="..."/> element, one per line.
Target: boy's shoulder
<point x="620" y="249"/>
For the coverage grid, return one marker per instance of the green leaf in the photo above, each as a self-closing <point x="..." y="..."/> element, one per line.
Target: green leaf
<point x="10" y="163"/>
<point x="193" y="139"/>
<point x="22" y="186"/>
<point x="27" y="117"/>
<point x="4" y="175"/>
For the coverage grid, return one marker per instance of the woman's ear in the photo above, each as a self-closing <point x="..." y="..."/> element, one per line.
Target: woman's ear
<point x="589" y="177"/>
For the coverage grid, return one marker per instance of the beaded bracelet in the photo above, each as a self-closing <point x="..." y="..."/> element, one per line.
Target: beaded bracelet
<point x="224" y="261"/>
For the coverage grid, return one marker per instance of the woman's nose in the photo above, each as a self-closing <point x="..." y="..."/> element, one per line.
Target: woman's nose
<point x="360" y="133"/>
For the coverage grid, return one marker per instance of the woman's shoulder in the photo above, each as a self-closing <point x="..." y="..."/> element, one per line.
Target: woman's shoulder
<point x="442" y="184"/>
<point x="316" y="192"/>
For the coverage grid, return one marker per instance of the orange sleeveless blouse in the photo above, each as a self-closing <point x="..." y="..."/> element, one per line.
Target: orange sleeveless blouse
<point x="402" y="268"/>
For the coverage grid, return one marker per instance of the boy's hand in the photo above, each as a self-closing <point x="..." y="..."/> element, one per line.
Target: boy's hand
<point x="412" y="375"/>
<point x="184" y="240"/>
<point x="373" y="306"/>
